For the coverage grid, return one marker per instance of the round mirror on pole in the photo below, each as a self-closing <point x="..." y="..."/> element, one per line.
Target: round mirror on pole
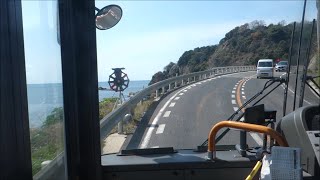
<point x="108" y="17"/>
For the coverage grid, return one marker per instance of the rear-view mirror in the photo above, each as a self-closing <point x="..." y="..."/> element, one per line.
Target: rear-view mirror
<point x="108" y="17"/>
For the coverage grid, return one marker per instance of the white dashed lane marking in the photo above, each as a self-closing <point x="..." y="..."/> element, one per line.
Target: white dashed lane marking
<point x="172" y="104"/>
<point x="185" y="90"/>
<point x="255" y="136"/>
<point x="235" y="108"/>
<point x="155" y="147"/>
<point x="167" y="114"/>
<point x="233" y="96"/>
<point x="160" y="129"/>
<point x="181" y="94"/>
<point x="233" y="92"/>
<point x="233" y="101"/>
<point x="234" y="88"/>
<point x="176" y="98"/>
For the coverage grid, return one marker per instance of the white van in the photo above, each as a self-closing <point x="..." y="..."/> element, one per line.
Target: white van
<point x="265" y="68"/>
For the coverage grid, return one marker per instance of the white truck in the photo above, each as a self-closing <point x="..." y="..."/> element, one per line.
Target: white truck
<point x="265" y="68"/>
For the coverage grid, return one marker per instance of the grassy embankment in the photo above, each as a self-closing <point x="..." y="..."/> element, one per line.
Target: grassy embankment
<point x="47" y="140"/>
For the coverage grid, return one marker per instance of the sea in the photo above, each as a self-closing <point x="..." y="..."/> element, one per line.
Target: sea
<point x="43" y="98"/>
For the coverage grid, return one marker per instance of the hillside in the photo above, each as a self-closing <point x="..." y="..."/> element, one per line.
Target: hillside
<point x="243" y="45"/>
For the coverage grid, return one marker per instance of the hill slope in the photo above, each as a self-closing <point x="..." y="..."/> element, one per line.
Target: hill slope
<point x="243" y="45"/>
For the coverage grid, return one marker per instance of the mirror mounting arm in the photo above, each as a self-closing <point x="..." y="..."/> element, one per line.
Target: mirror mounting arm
<point x="97" y="9"/>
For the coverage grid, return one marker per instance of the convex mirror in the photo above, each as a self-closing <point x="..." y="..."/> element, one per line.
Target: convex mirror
<point x="108" y="17"/>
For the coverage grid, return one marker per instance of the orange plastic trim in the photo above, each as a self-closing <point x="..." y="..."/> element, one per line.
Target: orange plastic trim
<point x="244" y="126"/>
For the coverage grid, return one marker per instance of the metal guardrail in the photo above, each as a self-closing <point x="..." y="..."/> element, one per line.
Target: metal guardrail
<point x="109" y="121"/>
<point x="56" y="167"/>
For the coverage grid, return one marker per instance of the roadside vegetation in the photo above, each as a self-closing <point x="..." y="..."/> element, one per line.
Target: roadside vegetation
<point x="47" y="141"/>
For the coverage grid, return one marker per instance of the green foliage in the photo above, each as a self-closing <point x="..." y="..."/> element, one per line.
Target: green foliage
<point x="106" y="106"/>
<point x="243" y="45"/>
<point x="159" y="76"/>
<point x="55" y="117"/>
<point x="47" y="141"/>
<point x="196" y="60"/>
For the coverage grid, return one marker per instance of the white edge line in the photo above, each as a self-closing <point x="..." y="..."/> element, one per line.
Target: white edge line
<point x="147" y="137"/>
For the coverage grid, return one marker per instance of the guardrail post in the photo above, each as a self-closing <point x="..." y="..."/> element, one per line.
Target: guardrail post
<point x="188" y="81"/>
<point x="120" y="127"/>
<point x="199" y="77"/>
<point x="157" y="93"/>
<point x="175" y="84"/>
<point x="163" y="89"/>
<point x="169" y="87"/>
<point x="205" y="76"/>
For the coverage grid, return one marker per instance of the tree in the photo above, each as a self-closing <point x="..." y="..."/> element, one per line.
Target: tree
<point x="159" y="76"/>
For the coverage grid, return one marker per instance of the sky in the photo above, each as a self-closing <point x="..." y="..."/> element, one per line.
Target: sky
<point x="150" y="34"/>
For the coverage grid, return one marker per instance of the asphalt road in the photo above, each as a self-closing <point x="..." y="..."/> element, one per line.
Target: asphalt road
<point x="184" y="118"/>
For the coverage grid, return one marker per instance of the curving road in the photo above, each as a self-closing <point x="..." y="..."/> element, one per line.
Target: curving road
<point x="183" y="118"/>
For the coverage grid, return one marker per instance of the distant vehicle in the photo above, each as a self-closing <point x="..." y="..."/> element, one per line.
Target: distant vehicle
<point x="265" y="68"/>
<point x="281" y="66"/>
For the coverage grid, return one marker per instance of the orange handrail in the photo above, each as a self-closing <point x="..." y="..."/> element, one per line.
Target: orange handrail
<point x="240" y="125"/>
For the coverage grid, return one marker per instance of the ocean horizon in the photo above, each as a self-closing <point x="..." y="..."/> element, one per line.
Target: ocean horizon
<point x="43" y="98"/>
